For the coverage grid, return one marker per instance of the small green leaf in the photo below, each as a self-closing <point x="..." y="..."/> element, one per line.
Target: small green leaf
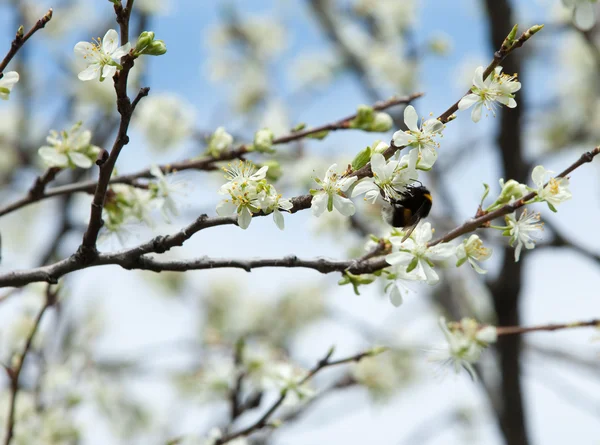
<point x="301" y="126"/>
<point x="320" y="135"/>
<point x="361" y="159"/>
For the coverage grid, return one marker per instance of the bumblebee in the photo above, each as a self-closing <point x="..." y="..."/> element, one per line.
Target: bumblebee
<point x="406" y="212"/>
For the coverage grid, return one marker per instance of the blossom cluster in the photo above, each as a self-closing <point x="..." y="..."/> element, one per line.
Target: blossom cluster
<point x="71" y="148"/>
<point x="497" y="87"/>
<point x="249" y="193"/>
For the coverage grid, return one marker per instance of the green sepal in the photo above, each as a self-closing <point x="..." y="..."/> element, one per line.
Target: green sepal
<point x="330" y="203"/>
<point x="485" y="193"/>
<point x="413" y="265"/>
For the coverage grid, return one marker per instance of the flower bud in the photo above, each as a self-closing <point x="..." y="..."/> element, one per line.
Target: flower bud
<point x="382" y="122"/>
<point x="263" y="141"/>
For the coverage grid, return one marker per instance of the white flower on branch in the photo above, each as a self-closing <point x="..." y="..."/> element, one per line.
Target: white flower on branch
<point x="473" y="250"/>
<point x="69" y="148"/>
<point x="270" y="201"/>
<point x="465" y="342"/>
<point x="163" y="191"/>
<point x="415" y="254"/>
<point x="219" y="142"/>
<point x="242" y="189"/>
<point x="101" y="56"/>
<point x="422" y="140"/>
<point x="519" y="230"/>
<point x="397" y="287"/>
<point x="555" y="192"/>
<point x="7" y="82"/>
<point x="391" y="177"/>
<point x="249" y="192"/>
<point x="331" y="194"/>
<point x="287" y="379"/>
<point x="497" y="87"/>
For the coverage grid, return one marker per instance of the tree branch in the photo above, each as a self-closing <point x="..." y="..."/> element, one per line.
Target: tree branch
<point x="20" y="40"/>
<point x="133" y="258"/>
<point x="475" y="223"/>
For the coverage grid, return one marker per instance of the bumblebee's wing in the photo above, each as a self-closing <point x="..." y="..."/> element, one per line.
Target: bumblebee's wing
<point x="410" y="229"/>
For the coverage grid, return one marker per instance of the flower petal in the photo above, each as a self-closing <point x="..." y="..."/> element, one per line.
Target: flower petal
<point x="395" y="295"/>
<point x="343" y="205"/>
<point x="319" y="203"/>
<point x="278" y="218"/>
<point x="401" y="138"/>
<point x="80" y="160"/>
<point x="411" y="118"/>
<point x="90" y="73"/>
<point x="110" y="42"/>
<point x="364" y="186"/>
<point x="467" y="101"/>
<point x="244" y="218"/>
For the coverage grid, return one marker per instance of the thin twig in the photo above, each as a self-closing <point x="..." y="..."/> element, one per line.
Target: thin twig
<point x="446" y="116"/>
<point x="15" y="371"/>
<point x="20" y="39"/>
<point x="518" y="330"/>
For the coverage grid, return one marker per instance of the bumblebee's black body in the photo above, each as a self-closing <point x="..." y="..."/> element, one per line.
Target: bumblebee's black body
<point x="407" y="211"/>
<point x="415" y="204"/>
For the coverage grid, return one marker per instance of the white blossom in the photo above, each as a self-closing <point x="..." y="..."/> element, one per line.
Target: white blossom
<point x="289" y="379"/>
<point x="555" y="192"/>
<point x="244" y="188"/>
<point x="396" y="289"/>
<point x="69" y="148"/>
<point x="164" y="189"/>
<point x="219" y="142"/>
<point x="473" y="250"/>
<point x="414" y="254"/>
<point x="331" y="195"/>
<point x="422" y="140"/>
<point x="519" y="230"/>
<point x="391" y="177"/>
<point x="270" y="201"/>
<point x="102" y="57"/>
<point x="7" y="82"/>
<point x="465" y="342"/>
<point x="497" y="87"/>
